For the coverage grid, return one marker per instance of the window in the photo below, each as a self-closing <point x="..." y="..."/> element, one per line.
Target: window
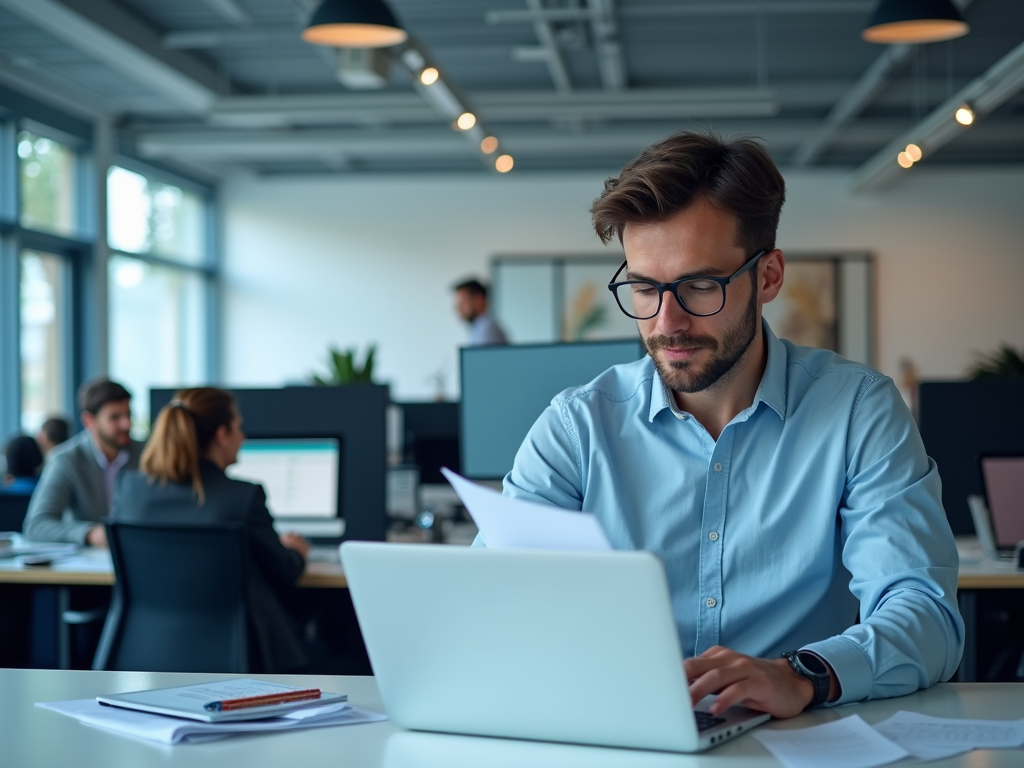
<point x="160" y="280"/>
<point x="47" y="183"/>
<point x="44" y="306"/>
<point x="146" y="216"/>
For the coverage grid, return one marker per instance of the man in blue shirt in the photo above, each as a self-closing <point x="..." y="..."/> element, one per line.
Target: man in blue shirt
<point x="785" y="488"/>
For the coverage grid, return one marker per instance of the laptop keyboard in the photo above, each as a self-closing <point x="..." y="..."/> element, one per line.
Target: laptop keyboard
<point x="706" y="720"/>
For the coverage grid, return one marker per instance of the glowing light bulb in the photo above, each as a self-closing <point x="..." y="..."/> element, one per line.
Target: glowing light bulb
<point x="489" y="144"/>
<point x="466" y="121"/>
<point x="964" y="115"/>
<point x="904" y="160"/>
<point x="429" y="76"/>
<point x="504" y="164"/>
<point x="914" y="152"/>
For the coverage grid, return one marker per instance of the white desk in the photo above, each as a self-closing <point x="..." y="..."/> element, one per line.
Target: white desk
<point x="30" y="736"/>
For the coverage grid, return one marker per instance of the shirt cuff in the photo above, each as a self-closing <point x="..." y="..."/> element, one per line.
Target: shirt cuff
<point x="851" y="665"/>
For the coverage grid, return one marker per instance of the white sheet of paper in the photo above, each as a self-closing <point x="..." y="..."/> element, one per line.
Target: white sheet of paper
<point x="846" y="743"/>
<point x="930" y="738"/>
<point x="508" y="523"/>
<point x="173" y="730"/>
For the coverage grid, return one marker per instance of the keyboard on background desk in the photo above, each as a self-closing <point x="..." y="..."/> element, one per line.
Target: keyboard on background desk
<point x="323" y="555"/>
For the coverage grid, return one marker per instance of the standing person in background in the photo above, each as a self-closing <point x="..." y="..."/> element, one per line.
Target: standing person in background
<point x="471" y="304"/>
<point x="77" y="487"/>
<point x="54" y="431"/>
<point x="195" y="438"/>
<point x="24" y="460"/>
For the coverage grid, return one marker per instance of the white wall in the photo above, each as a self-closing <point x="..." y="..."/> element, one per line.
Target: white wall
<point x="310" y="262"/>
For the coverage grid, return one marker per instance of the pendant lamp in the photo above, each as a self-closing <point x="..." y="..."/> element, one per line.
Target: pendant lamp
<point x="354" y="24"/>
<point x="914" y="21"/>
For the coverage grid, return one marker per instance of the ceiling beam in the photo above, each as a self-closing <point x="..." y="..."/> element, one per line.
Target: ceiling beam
<point x="610" y="58"/>
<point x="552" y="15"/>
<point x="231" y="10"/>
<point x="985" y="93"/>
<point x="852" y="102"/>
<point x="110" y="34"/>
<point x="497" y="106"/>
<point x="552" y="56"/>
<point x="235" y="145"/>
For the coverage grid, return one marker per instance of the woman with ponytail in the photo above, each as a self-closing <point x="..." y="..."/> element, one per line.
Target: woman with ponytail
<point x="194" y="439"/>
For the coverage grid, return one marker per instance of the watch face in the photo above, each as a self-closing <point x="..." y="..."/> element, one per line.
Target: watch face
<point x="813" y="663"/>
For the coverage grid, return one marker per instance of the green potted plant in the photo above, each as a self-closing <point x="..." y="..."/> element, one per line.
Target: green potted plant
<point x="1005" y="363"/>
<point x="343" y="368"/>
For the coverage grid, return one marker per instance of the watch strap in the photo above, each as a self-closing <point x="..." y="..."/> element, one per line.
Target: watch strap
<point x="819" y="679"/>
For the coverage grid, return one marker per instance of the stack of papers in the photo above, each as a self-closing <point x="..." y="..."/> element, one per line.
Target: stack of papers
<point x="852" y="743"/>
<point x="173" y="730"/>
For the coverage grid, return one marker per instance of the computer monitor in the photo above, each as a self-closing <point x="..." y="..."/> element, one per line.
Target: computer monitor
<point x="505" y="389"/>
<point x="961" y="421"/>
<point x="1004" y="492"/>
<point x="300" y="476"/>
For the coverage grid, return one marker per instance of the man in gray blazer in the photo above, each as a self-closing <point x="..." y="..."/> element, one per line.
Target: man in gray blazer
<point x="76" y="489"/>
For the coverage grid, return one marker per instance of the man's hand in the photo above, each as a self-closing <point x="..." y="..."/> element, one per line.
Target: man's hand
<point x="296" y="542"/>
<point x="768" y="685"/>
<point x="96" y="537"/>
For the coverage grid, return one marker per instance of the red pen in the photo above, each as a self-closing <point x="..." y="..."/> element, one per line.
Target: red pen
<point x="264" y="700"/>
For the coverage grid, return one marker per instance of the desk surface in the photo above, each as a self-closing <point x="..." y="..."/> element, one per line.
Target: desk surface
<point x="37" y="737"/>
<point x="93" y="567"/>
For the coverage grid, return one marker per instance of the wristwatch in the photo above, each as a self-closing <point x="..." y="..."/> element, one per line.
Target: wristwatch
<point x="810" y="665"/>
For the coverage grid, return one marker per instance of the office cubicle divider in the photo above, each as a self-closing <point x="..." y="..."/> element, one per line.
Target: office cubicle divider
<point x="355" y="414"/>
<point x="960" y="422"/>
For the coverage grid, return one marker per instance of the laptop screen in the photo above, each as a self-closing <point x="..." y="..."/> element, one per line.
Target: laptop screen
<point x="1004" y="489"/>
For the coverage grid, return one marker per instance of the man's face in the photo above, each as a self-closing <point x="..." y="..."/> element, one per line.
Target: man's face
<point x="112" y="424"/>
<point x="469" y="305"/>
<point x="692" y="353"/>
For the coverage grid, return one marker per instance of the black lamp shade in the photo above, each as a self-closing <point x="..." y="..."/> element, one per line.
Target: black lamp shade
<point x="914" y="21"/>
<point x="354" y="24"/>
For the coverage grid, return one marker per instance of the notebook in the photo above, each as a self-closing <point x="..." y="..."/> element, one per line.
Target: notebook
<point x="190" y="701"/>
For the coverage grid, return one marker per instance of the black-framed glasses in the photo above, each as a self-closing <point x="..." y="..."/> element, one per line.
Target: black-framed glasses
<point x="699" y="295"/>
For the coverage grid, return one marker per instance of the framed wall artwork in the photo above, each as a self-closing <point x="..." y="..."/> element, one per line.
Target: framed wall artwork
<point x="827" y="301"/>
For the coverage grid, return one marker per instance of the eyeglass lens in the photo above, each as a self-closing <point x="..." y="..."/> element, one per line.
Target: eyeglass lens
<point x="643" y="300"/>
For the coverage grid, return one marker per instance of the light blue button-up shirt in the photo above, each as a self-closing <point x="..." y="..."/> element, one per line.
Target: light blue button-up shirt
<point x="815" y="508"/>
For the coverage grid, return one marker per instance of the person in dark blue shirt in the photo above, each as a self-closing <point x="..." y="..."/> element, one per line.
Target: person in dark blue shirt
<point x="24" y="460"/>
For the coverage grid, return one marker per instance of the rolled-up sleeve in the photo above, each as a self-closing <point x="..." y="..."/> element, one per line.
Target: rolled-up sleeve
<point x="900" y="551"/>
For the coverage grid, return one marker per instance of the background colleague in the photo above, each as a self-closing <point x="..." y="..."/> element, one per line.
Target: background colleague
<point x="54" y="431"/>
<point x="195" y="438"/>
<point x="24" y="460"/>
<point x="76" y="489"/>
<point x="757" y="470"/>
<point x="471" y="304"/>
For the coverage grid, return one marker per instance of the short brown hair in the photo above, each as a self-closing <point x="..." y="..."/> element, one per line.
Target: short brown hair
<point x="95" y="393"/>
<point x="737" y="176"/>
<point x="183" y="431"/>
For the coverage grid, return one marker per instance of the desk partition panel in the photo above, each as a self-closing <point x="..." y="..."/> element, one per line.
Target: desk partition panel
<point x="354" y="415"/>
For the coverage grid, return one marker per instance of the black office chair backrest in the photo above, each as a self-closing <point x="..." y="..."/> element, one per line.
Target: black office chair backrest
<point x="12" y="511"/>
<point x="179" y="602"/>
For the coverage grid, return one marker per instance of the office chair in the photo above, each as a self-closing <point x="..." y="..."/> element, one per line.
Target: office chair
<point x="179" y="602"/>
<point x="12" y="511"/>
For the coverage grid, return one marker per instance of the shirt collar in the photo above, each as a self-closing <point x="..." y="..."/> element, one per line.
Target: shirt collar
<point x="771" y="391"/>
<point x="101" y="458"/>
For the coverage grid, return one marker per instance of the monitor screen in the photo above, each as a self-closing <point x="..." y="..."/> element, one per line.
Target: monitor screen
<point x="505" y="389"/>
<point x="1004" y="490"/>
<point x="300" y="476"/>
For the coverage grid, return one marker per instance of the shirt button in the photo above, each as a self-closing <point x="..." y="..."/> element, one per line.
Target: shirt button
<point x="711" y="602"/>
<point x="718" y="466"/>
<point x="713" y="536"/>
<point x="680" y="417"/>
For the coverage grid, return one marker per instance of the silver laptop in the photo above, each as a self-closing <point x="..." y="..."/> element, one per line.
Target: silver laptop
<point x="576" y="647"/>
<point x="1004" y="492"/>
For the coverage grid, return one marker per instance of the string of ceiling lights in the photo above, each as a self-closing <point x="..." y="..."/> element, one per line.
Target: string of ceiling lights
<point x="364" y="24"/>
<point x="917" y="22"/>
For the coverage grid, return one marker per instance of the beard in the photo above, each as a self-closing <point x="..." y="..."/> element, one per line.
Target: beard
<point x="686" y="377"/>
